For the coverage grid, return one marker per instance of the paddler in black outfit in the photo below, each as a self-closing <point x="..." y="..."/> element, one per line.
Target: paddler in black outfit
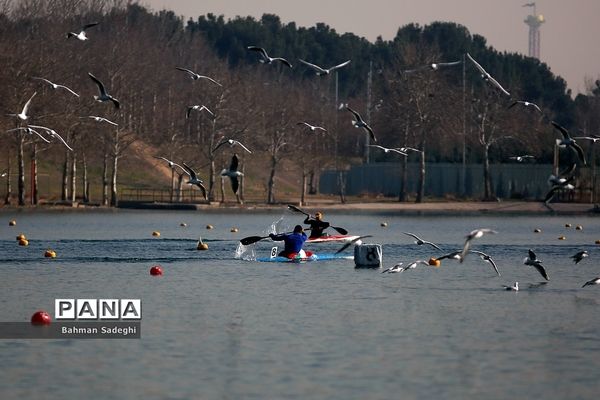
<point x="317" y="225"/>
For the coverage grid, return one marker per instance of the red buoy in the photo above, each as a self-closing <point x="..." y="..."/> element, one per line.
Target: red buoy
<point x="156" y="270"/>
<point x="41" y="318"/>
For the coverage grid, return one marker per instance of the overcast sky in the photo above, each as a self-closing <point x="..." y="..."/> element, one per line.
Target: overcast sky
<point x="569" y="38"/>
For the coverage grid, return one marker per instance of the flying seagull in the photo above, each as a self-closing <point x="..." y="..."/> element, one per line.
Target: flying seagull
<point x="358" y="240"/>
<point x="579" y="256"/>
<point x="231" y="143"/>
<point x="595" y="281"/>
<point x="104" y="96"/>
<point x="55" y="85"/>
<point x="569" y="142"/>
<point x="311" y="127"/>
<point x="30" y="131"/>
<point x="324" y="71"/>
<point x="198" y="108"/>
<point x="433" y="66"/>
<point x="81" y="35"/>
<point x="100" y="119"/>
<point x="194" y="180"/>
<point x="23" y="114"/>
<point x="533" y="261"/>
<point x="233" y="173"/>
<point x="387" y="150"/>
<point x="407" y="149"/>
<point x="591" y="138"/>
<point x="514" y="288"/>
<point x="561" y="178"/>
<point x="526" y="104"/>
<point x="419" y="241"/>
<point x="360" y="123"/>
<point x="53" y="134"/>
<point x="392" y="270"/>
<point x="265" y="57"/>
<point x="171" y="164"/>
<point x="486" y="258"/>
<point x="564" y="185"/>
<point x="196" y="76"/>
<point x="474" y="234"/>
<point x="486" y="76"/>
<point x="400" y="268"/>
<point x="521" y="158"/>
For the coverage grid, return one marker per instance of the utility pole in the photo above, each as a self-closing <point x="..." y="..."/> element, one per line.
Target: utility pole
<point x="369" y="102"/>
<point x="463" y="182"/>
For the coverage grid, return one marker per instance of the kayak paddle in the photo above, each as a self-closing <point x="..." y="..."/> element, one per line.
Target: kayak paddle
<point x="342" y="231"/>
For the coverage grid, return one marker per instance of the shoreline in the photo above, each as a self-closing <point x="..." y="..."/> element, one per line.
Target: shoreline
<point x="389" y="208"/>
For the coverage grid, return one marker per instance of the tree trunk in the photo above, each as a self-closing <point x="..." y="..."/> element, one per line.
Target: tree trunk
<point x="64" y="193"/>
<point x="404" y="180"/>
<point x="179" y="187"/>
<point x="211" y="181"/>
<point x="34" y="176"/>
<point x="105" y="179"/>
<point x="312" y="187"/>
<point x="73" y="178"/>
<point x="114" y="202"/>
<point x="342" y="186"/>
<point x="86" y="185"/>
<point x="487" y="181"/>
<point x="304" y="186"/>
<point x="21" y="164"/>
<point x="8" y="187"/>
<point x="222" y="190"/>
<point x="271" y="183"/>
<point x="241" y="188"/>
<point x="172" y="192"/>
<point x="421" y="191"/>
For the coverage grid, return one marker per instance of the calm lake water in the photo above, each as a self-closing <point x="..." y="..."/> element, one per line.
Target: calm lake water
<point x="217" y="327"/>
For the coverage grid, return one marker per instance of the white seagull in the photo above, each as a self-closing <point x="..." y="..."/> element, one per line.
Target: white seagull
<point x="360" y="123"/>
<point x="568" y="141"/>
<point x="324" y="71"/>
<point x="358" y="240"/>
<point x="233" y="173"/>
<point x="577" y="257"/>
<point x="561" y="178"/>
<point x="231" y="142"/>
<point x="533" y="261"/>
<point x="30" y="131"/>
<point x="55" y="85"/>
<point x="595" y="281"/>
<point x="172" y="164"/>
<point x="198" y="108"/>
<point x="53" y="133"/>
<point x="100" y="119"/>
<point x="486" y="76"/>
<point x="23" y="114"/>
<point x="387" y="150"/>
<point x="486" y="258"/>
<point x="265" y="57"/>
<point x="419" y="241"/>
<point x="591" y="138"/>
<point x="196" y="76"/>
<point x="81" y="35"/>
<point x="514" y="288"/>
<point x="104" y="96"/>
<point x="407" y="149"/>
<point x="564" y="185"/>
<point x="433" y="66"/>
<point x="526" y="104"/>
<point x="194" y="180"/>
<point x="455" y="255"/>
<point x="474" y="234"/>
<point x="311" y="127"/>
<point x="521" y="158"/>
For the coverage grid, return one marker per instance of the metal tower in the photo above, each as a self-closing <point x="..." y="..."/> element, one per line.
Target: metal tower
<point x="534" y="22"/>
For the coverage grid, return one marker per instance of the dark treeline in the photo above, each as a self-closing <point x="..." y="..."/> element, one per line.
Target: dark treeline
<point x="450" y="114"/>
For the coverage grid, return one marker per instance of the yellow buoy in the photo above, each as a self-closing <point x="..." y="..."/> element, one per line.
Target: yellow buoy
<point x="597" y="241"/>
<point x="12" y="223"/>
<point x="183" y="224"/>
<point x="562" y="238"/>
<point x="234" y="230"/>
<point x="567" y="225"/>
<point x="201" y="245"/>
<point x="209" y="226"/>
<point x="384" y="224"/>
<point x="23" y="242"/>
<point x="537" y="230"/>
<point x="579" y="228"/>
<point x="434" y="262"/>
<point x="50" y="253"/>
<point x="156" y="233"/>
<point x="21" y="237"/>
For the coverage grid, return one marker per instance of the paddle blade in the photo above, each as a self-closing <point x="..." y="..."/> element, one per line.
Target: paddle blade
<point x="342" y="231"/>
<point x="252" y="239"/>
<point x="294" y="208"/>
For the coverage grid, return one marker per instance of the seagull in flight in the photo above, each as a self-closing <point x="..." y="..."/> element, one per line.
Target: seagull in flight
<point x="526" y="104"/>
<point x="521" y="158"/>
<point x="171" y="164"/>
<point x="419" y="241"/>
<point x="233" y="173"/>
<point x="100" y="119"/>
<point x="474" y="234"/>
<point x="265" y="57"/>
<point x="387" y="150"/>
<point x="324" y="71"/>
<point x="198" y="108"/>
<point x="231" y="143"/>
<point x="433" y="66"/>
<point x="55" y="85"/>
<point x="455" y="255"/>
<point x="557" y="180"/>
<point x="104" y="96"/>
<point x="592" y="138"/>
<point x="579" y="256"/>
<point x="358" y="240"/>
<point x="400" y="268"/>
<point x="595" y="281"/>
<point x="564" y="185"/>
<point x="569" y="142"/>
<point x="360" y="123"/>
<point x="486" y="76"/>
<point x="514" y="288"/>
<point x="81" y="35"/>
<point x="392" y="270"/>
<point x="486" y="258"/>
<point x="53" y="134"/>
<point x="533" y="261"/>
<point x="312" y="128"/>
<point x="30" y="131"/>
<point x="407" y="149"/>
<point x="23" y="114"/>
<point x="194" y="180"/>
<point x="196" y="76"/>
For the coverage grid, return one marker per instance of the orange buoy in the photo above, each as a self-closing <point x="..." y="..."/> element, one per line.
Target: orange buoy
<point x="201" y="245"/>
<point x="12" y="223"/>
<point x="50" y="253"/>
<point x="234" y="230"/>
<point x="41" y="317"/>
<point x="156" y="233"/>
<point x="23" y="242"/>
<point x="567" y="225"/>
<point x="156" y="270"/>
<point x="21" y="237"/>
<point x="537" y="230"/>
<point x="579" y="228"/>
<point x="384" y="224"/>
<point x="597" y="241"/>
<point x="562" y="238"/>
<point x="183" y="224"/>
<point x="434" y="262"/>
<point x="209" y="226"/>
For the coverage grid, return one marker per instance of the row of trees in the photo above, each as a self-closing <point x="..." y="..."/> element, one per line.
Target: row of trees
<point x="449" y="114"/>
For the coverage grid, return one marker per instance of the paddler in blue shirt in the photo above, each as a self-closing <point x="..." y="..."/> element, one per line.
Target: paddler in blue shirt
<point x="293" y="242"/>
<point x="317" y="225"/>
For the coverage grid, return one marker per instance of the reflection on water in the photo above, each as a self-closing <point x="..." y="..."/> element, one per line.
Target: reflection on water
<point x="219" y="327"/>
